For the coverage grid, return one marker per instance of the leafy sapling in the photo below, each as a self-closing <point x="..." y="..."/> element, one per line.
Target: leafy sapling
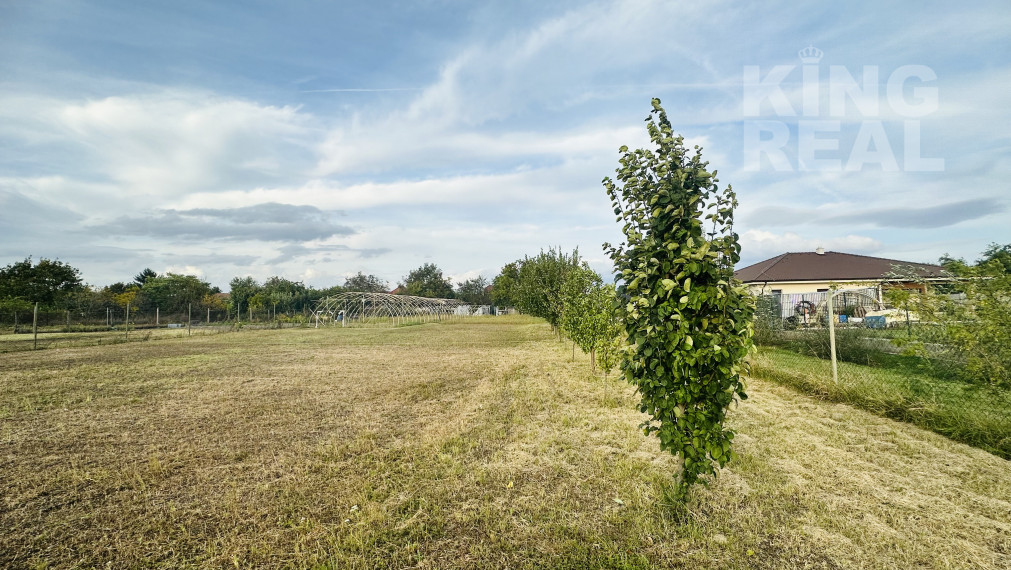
<point x="688" y="323"/>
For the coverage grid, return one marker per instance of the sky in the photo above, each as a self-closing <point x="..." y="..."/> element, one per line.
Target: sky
<point x="312" y="140"/>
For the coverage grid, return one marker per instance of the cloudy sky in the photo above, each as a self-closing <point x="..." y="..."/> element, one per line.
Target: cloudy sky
<point x="313" y="140"/>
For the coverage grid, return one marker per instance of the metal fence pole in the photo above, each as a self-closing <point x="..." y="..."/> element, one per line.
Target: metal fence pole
<point x="831" y="338"/>
<point x="35" y="328"/>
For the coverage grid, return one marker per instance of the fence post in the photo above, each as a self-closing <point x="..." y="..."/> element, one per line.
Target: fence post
<point x="127" y="336"/>
<point x="831" y="338"/>
<point x="189" y="321"/>
<point x="35" y="328"/>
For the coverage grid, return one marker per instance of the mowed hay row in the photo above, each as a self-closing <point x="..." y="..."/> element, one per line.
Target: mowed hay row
<point x="474" y="443"/>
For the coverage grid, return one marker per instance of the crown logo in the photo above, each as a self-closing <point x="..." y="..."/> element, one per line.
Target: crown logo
<point x="810" y="55"/>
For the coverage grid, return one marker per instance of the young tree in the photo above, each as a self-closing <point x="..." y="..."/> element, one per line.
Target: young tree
<point x="687" y="322"/>
<point x="427" y="281"/>
<point x="588" y="316"/>
<point x="577" y="288"/>
<point x="612" y="345"/>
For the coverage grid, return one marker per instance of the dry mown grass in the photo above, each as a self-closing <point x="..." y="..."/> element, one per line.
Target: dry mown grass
<point x="475" y="444"/>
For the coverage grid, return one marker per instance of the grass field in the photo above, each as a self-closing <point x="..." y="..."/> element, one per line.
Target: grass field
<point x="898" y="389"/>
<point x="22" y="341"/>
<point x="459" y="445"/>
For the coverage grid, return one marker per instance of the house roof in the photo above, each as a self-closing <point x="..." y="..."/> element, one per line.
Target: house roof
<point x="832" y="265"/>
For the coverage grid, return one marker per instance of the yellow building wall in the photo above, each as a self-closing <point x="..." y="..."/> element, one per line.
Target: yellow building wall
<point x="807" y="286"/>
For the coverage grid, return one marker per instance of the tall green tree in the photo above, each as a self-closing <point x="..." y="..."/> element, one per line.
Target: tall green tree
<point x="48" y="282"/>
<point x="285" y="295"/>
<point x="473" y="291"/>
<point x="999" y="253"/>
<point x="141" y="278"/>
<point x="428" y="281"/>
<point x="243" y="289"/>
<point x="362" y="283"/>
<point x="688" y="323"/>
<point x="539" y="288"/>
<point x="577" y="290"/>
<point x="173" y="293"/>
<point x="503" y="287"/>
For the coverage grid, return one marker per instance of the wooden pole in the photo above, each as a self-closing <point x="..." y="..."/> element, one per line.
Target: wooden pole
<point x="127" y="335"/>
<point x="208" y="315"/>
<point x="189" y="321"/>
<point x="35" y="328"/>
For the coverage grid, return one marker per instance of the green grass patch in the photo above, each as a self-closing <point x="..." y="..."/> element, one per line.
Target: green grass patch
<point x="901" y="388"/>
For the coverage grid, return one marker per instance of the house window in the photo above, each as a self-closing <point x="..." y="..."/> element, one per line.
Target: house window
<point x="823" y="290"/>
<point x="776" y="292"/>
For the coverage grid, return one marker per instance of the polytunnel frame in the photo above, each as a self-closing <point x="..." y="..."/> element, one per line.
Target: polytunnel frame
<point x="379" y="308"/>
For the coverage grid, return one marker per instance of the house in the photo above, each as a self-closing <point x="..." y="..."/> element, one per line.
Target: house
<point x="818" y="271"/>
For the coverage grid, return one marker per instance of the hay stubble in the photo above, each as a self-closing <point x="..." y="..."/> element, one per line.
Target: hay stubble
<point x="473" y="444"/>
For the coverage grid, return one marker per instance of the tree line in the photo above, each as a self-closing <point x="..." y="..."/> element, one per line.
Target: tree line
<point x="58" y="286"/>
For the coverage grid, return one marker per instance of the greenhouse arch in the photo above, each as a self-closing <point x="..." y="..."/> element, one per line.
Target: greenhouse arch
<point x="378" y="308"/>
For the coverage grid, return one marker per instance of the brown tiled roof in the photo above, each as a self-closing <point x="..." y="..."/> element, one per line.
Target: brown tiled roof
<point x="831" y="265"/>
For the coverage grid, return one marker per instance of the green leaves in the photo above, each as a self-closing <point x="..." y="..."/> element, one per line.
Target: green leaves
<point x="678" y="298"/>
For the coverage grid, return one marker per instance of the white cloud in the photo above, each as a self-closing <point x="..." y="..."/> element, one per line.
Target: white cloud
<point x="175" y="142"/>
<point x="156" y="145"/>
<point x="757" y="245"/>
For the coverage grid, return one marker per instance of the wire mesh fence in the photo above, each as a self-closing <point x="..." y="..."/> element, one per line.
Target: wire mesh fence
<point x="877" y="367"/>
<point x="30" y="329"/>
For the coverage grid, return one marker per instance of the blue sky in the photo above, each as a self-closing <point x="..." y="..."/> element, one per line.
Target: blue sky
<point x="313" y="140"/>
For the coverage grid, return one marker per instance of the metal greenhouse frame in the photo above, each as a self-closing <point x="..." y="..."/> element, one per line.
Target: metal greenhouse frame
<point x="380" y="308"/>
